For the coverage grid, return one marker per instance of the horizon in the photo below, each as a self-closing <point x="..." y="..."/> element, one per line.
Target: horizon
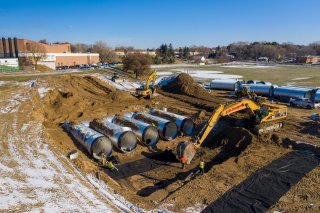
<point x="148" y="24"/>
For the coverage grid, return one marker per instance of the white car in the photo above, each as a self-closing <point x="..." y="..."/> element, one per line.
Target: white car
<point x="304" y="102"/>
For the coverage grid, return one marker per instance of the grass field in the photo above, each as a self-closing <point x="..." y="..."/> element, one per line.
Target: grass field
<point x="279" y="75"/>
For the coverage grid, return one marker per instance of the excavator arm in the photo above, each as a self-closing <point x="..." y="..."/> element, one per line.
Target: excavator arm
<point x="152" y="77"/>
<point x="146" y="91"/>
<point x="213" y="120"/>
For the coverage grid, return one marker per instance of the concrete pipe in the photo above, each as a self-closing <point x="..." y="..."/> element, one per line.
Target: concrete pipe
<point x="185" y="124"/>
<point x="167" y="129"/>
<point x="94" y="142"/>
<point x="147" y="133"/>
<point x="122" y="137"/>
<point x="228" y="85"/>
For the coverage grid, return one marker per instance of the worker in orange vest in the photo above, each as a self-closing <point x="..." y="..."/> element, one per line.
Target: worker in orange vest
<point x="183" y="161"/>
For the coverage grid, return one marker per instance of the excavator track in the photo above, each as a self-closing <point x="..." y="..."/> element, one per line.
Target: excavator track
<point x="266" y="128"/>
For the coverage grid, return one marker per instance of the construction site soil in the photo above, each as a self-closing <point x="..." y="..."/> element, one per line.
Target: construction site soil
<point x="155" y="179"/>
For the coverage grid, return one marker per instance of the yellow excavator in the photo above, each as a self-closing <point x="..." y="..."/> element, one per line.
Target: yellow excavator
<point x="146" y="91"/>
<point x="266" y="117"/>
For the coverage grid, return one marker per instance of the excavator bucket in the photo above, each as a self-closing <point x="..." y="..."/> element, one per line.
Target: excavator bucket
<point x="266" y="128"/>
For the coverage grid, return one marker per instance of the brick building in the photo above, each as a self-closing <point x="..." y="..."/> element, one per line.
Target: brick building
<point x="308" y="59"/>
<point x="58" y="54"/>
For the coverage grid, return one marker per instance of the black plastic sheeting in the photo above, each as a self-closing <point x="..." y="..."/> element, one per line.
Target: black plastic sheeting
<point x="265" y="187"/>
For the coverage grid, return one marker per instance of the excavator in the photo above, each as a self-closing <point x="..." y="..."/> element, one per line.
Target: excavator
<point x="146" y="91"/>
<point x="246" y="92"/>
<point x="266" y="117"/>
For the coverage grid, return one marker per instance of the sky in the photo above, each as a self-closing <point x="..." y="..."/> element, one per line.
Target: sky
<point x="149" y="23"/>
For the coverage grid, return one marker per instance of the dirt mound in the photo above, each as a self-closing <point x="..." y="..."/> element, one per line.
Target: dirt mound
<point x="97" y="83"/>
<point x="44" y="68"/>
<point x="78" y="98"/>
<point x="120" y="95"/>
<point x="185" y="85"/>
<point x="235" y="139"/>
<point x="199" y="117"/>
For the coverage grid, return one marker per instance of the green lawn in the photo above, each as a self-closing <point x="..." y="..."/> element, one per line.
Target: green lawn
<point x="277" y="75"/>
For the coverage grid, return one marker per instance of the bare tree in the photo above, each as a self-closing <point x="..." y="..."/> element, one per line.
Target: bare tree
<point x="137" y="62"/>
<point x="106" y="54"/>
<point x="37" y="52"/>
<point x="80" y="48"/>
<point x="316" y="47"/>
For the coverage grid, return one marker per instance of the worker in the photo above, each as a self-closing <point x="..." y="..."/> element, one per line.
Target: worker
<point x="110" y="165"/>
<point x="183" y="161"/>
<point x="103" y="159"/>
<point x="201" y="165"/>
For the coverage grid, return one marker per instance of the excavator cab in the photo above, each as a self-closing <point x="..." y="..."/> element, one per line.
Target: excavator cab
<point x="262" y="113"/>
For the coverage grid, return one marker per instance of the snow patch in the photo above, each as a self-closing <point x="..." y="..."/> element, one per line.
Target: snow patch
<point x="164" y="73"/>
<point x="248" y="66"/>
<point x="42" y="91"/>
<point x="125" y="85"/>
<point x="297" y="79"/>
<point x="205" y="74"/>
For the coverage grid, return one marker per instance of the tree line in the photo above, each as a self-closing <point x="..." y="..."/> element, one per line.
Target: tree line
<point x="272" y="50"/>
<point x="106" y="53"/>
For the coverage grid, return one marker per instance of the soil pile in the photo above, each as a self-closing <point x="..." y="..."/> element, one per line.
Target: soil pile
<point x="78" y="98"/>
<point x="185" y="85"/>
<point x="199" y="117"/>
<point x="122" y="96"/>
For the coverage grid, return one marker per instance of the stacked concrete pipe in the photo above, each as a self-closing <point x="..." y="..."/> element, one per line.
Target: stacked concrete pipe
<point x="184" y="124"/>
<point x="94" y="142"/>
<point x="121" y="137"/>
<point x="147" y="133"/>
<point x="167" y="130"/>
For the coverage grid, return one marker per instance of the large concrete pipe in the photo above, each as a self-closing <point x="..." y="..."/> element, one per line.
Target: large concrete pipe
<point x="94" y="142"/>
<point x="285" y="93"/>
<point x="147" y="133"/>
<point x="4" y="45"/>
<point x="122" y="137"/>
<point x="185" y="124"/>
<point x="228" y="85"/>
<point x="167" y="130"/>
<point x="260" y="89"/>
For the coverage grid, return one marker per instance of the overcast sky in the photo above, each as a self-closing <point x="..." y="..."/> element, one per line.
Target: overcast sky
<point x="149" y="23"/>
